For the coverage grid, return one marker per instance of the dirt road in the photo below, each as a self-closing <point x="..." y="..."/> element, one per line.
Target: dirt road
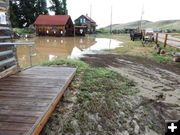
<point x="155" y="81"/>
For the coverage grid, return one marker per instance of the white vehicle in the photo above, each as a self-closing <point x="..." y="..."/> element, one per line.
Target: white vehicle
<point x="148" y="35"/>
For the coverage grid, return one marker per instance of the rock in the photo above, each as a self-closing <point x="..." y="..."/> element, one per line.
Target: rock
<point x="155" y="47"/>
<point x="177" y="57"/>
<point x="160" y="96"/>
<point x="124" y="133"/>
<point x="158" y="50"/>
<point x="136" y="127"/>
<point x="148" y="131"/>
<point x="162" y="52"/>
<point x="100" y="128"/>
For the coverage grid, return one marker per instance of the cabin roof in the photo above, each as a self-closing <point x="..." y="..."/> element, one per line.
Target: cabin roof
<point x="88" y="18"/>
<point x="52" y="20"/>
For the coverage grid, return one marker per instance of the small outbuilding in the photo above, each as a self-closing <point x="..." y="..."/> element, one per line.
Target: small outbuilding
<point x="85" y="24"/>
<point x="54" y="25"/>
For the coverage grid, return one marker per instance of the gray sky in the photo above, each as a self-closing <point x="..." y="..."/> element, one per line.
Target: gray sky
<point x="124" y="10"/>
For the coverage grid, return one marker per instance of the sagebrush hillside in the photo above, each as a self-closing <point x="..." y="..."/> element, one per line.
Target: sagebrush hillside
<point x="165" y="24"/>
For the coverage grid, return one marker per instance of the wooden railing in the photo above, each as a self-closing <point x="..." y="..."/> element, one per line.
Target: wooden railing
<point x="170" y="39"/>
<point x="8" y="58"/>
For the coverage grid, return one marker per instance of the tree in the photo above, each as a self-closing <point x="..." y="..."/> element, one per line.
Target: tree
<point x="14" y="14"/>
<point x="59" y="7"/>
<point x="41" y="7"/>
<point x="24" y="12"/>
<point x="64" y="6"/>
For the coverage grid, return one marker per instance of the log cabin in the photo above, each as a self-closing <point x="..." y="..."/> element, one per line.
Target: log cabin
<point x="8" y="59"/>
<point x="54" y="25"/>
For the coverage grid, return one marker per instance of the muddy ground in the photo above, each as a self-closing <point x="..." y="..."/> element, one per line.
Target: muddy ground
<point x="141" y="114"/>
<point x="156" y="81"/>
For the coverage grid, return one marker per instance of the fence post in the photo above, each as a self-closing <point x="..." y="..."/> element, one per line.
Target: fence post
<point x="157" y="37"/>
<point x="165" y="41"/>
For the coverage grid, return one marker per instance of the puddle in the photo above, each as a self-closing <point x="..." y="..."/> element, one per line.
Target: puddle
<point x="51" y="48"/>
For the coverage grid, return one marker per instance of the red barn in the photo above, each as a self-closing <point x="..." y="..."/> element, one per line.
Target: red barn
<point x="54" y="25"/>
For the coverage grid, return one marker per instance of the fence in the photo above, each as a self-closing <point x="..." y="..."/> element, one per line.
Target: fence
<point x="170" y="39"/>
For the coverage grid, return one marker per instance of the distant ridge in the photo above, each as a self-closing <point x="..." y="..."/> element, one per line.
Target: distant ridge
<point x="164" y="24"/>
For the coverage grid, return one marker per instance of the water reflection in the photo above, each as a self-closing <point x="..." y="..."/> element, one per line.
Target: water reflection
<point x="51" y="48"/>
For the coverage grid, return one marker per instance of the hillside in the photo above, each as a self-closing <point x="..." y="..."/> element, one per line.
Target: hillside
<point x="165" y="24"/>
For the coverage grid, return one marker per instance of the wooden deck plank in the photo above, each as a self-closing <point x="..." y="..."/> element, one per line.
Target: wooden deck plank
<point x="9" y="92"/>
<point x="5" y="132"/>
<point x="18" y="119"/>
<point x="28" y="98"/>
<point x="14" y="126"/>
<point x="22" y="88"/>
<point x="22" y="107"/>
<point x="25" y="103"/>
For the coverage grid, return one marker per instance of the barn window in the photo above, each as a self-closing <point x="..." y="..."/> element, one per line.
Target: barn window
<point x="3" y="18"/>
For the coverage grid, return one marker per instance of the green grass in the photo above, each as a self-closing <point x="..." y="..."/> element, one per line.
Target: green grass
<point x="81" y="66"/>
<point x="99" y="91"/>
<point x="136" y="48"/>
<point x="24" y="31"/>
<point x="167" y="58"/>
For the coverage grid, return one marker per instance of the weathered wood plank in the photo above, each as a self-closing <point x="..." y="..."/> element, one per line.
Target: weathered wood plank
<point x="14" y="126"/>
<point x="4" y="53"/>
<point x="5" y="37"/>
<point x="46" y="93"/>
<point x="30" y="89"/>
<point x="28" y="102"/>
<point x="6" y="132"/>
<point x="4" y="28"/>
<point x="18" y="119"/>
<point x="21" y="113"/>
<point x="10" y="70"/>
<point x="7" y="61"/>
<point x="21" y="107"/>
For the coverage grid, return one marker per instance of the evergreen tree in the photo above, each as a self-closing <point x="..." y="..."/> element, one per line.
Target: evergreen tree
<point x="41" y="7"/>
<point x="64" y="6"/>
<point x="59" y="7"/>
<point x="24" y="12"/>
<point x="14" y="14"/>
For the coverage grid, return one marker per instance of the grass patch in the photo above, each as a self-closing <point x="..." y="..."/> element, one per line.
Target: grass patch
<point x="136" y="48"/>
<point x="81" y="66"/>
<point x="25" y="31"/>
<point x="166" y="58"/>
<point x="99" y="99"/>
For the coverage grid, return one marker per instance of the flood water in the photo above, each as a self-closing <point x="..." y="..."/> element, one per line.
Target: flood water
<point x="51" y="48"/>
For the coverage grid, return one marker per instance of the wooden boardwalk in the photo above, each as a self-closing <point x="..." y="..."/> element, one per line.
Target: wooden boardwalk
<point x="28" y="98"/>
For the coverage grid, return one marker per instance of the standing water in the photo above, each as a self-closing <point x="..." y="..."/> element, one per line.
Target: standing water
<point x="51" y="48"/>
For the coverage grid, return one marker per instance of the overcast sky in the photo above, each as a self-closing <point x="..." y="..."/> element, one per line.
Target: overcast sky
<point x="124" y="10"/>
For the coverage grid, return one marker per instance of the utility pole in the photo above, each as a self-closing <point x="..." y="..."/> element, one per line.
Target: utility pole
<point x="90" y="10"/>
<point x="111" y="22"/>
<point x="142" y="13"/>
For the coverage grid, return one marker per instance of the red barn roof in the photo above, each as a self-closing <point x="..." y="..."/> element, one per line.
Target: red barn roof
<point x="52" y="20"/>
